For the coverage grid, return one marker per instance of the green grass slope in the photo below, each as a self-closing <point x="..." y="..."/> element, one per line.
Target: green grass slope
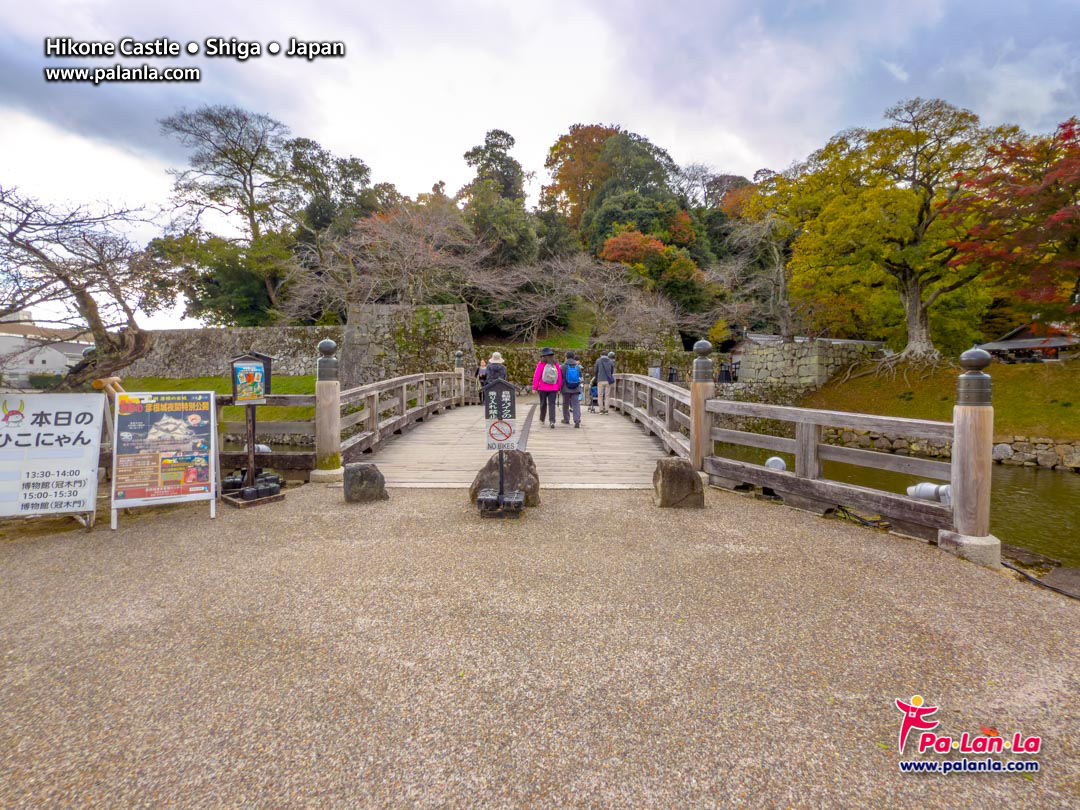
<point x="1029" y="400"/>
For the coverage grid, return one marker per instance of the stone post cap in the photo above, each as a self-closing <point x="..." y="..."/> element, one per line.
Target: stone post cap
<point x="327" y="365"/>
<point x="703" y="364"/>
<point x="974" y="386"/>
<point x="458" y="358"/>
<point x="975" y="359"/>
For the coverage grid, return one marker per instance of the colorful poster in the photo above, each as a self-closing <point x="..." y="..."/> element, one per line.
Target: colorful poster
<point x="165" y="446"/>
<point x="249" y="383"/>
<point x="49" y="445"/>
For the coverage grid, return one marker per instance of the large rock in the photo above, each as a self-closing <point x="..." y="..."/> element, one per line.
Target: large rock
<point x="364" y="483"/>
<point x="677" y="484"/>
<point x="1071" y="460"/>
<point x="1002" y="451"/>
<point x="519" y="472"/>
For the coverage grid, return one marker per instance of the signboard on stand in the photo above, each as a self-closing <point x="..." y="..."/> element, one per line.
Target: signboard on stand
<point x="500" y="411"/>
<point x="165" y="448"/>
<point x="249" y="379"/>
<point x="49" y="445"/>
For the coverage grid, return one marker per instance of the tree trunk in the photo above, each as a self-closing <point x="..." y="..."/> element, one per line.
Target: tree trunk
<point x="917" y="320"/>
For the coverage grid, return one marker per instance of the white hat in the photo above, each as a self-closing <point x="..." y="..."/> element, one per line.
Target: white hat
<point x="495" y="358"/>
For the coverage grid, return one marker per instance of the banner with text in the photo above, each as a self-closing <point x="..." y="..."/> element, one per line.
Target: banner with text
<point x="49" y="445"/>
<point x="165" y="448"/>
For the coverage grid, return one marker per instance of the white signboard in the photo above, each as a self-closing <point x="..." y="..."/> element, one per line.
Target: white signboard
<point x="501" y="435"/>
<point x="49" y="445"/>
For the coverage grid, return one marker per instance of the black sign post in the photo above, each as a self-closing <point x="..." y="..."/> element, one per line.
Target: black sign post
<point x="500" y="409"/>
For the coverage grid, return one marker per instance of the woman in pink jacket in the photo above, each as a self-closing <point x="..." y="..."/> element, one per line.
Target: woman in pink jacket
<point x="547" y="380"/>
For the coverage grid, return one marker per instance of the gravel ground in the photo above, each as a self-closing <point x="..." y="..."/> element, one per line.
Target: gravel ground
<point x="598" y="652"/>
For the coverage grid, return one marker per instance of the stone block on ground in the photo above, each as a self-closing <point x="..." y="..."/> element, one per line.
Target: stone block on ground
<point x="519" y="472"/>
<point x="364" y="482"/>
<point x="676" y="484"/>
<point x="982" y="550"/>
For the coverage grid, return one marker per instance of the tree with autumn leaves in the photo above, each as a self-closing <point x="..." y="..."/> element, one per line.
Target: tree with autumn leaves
<point x="1024" y="202"/>
<point x="876" y="218"/>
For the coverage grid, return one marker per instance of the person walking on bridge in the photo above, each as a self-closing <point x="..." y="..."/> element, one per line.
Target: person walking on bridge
<point x="496" y="368"/>
<point x="572" y="385"/>
<point x="547" y="380"/>
<point x="605" y="378"/>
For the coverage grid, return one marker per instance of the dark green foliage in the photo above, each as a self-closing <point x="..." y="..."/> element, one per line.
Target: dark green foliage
<point x="646" y="214"/>
<point x="501" y="224"/>
<point x="494" y="164"/>
<point x="44" y="380"/>
<point x="555" y="238"/>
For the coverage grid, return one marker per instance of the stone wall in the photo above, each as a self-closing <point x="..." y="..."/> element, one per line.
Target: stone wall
<point x="206" y="352"/>
<point x="380" y="341"/>
<point x="1012" y="450"/>
<point x="389" y="340"/>
<point x="809" y="364"/>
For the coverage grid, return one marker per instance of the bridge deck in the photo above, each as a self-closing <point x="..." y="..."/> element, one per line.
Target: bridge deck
<point x="607" y="452"/>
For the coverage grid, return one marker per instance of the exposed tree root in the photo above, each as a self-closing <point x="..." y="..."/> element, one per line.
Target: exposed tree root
<point x="922" y="362"/>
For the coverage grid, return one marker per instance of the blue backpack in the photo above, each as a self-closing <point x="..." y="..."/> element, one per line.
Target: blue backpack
<point x="573" y="376"/>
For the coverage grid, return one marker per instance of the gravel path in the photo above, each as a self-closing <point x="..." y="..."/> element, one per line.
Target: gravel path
<point x="598" y="652"/>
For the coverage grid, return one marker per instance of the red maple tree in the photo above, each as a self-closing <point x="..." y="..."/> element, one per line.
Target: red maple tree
<point x="1026" y="210"/>
<point x="630" y="247"/>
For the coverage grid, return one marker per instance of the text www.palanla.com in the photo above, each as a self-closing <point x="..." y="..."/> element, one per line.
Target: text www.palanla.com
<point x="121" y="73"/>
<point x="966" y="765"/>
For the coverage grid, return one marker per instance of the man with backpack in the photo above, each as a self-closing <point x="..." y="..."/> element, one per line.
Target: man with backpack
<point x="571" y="389"/>
<point x="547" y="381"/>
<point x="605" y="378"/>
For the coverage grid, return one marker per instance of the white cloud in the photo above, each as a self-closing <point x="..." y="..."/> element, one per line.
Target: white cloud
<point x="896" y="70"/>
<point x="740" y="85"/>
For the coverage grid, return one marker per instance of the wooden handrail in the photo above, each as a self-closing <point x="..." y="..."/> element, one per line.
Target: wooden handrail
<point x="652" y="403"/>
<point x="920" y="428"/>
<point x="676" y="392"/>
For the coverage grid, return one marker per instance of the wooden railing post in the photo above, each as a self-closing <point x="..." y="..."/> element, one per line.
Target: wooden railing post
<point x="327" y="417"/>
<point x="372" y="417"/>
<point x="807" y="437"/>
<point x="669" y="414"/>
<point x="459" y="364"/>
<point x="972" y="463"/>
<point x="702" y="388"/>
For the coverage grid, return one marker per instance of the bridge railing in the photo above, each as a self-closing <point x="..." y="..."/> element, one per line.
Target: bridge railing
<point x="685" y="423"/>
<point x="662" y="408"/>
<point x="350" y="422"/>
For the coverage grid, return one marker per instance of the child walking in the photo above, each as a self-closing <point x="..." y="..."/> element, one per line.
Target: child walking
<point x="547" y="380"/>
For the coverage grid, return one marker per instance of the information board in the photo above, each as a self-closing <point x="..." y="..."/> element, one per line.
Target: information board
<point x="165" y="446"/>
<point x="49" y="445"/>
<point x="249" y="382"/>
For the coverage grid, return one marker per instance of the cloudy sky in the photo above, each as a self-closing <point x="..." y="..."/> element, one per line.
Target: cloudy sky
<point x="737" y="84"/>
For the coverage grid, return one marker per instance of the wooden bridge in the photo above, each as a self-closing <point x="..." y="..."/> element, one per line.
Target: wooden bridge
<point x="423" y="435"/>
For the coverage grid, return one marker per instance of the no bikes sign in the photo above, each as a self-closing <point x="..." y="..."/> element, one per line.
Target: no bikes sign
<point x="501" y="435"/>
<point x="500" y="409"/>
